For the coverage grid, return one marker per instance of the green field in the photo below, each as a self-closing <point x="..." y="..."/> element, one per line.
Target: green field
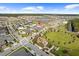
<point x="63" y="39"/>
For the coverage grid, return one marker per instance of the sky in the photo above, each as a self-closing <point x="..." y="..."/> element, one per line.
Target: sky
<point x="48" y="8"/>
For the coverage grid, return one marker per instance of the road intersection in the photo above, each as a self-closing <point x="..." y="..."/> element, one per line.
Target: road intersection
<point x="25" y="41"/>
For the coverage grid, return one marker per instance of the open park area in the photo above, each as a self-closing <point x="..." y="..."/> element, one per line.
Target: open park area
<point x="67" y="41"/>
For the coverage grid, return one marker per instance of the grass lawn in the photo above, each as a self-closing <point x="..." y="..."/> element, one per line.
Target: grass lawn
<point x="34" y="22"/>
<point x="55" y="37"/>
<point x="65" y="40"/>
<point x="24" y="35"/>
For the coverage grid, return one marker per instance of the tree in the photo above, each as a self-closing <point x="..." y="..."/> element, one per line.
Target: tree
<point x="73" y="40"/>
<point x="15" y="40"/>
<point x="7" y="32"/>
<point x="53" y="41"/>
<point x="58" y="42"/>
<point x="9" y="44"/>
<point x="64" y="43"/>
<point x="50" y="29"/>
<point x="6" y="42"/>
<point x="78" y="35"/>
<point x="49" y="45"/>
<point x="58" y="31"/>
<point x="65" y="51"/>
<point x="45" y="36"/>
<point x="69" y="42"/>
<point x="1" y="49"/>
<point x="65" y="32"/>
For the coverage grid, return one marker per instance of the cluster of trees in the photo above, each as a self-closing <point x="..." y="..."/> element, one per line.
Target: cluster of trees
<point x="8" y="43"/>
<point x="74" y="24"/>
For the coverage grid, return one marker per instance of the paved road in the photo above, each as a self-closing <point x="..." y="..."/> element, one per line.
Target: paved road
<point x="35" y="49"/>
<point x="24" y="42"/>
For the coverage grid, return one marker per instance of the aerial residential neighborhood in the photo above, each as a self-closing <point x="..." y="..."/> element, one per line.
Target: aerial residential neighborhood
<point x="37" y="36"/>
<point x="28" y="34"/>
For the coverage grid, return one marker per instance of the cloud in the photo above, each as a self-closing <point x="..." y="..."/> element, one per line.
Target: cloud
<point x="2" y="8"/>
<point x="72" y="6"/>
<point x="33" y="8"/>
<point x="39" y="9"/>
<point x="30" y="9"/>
